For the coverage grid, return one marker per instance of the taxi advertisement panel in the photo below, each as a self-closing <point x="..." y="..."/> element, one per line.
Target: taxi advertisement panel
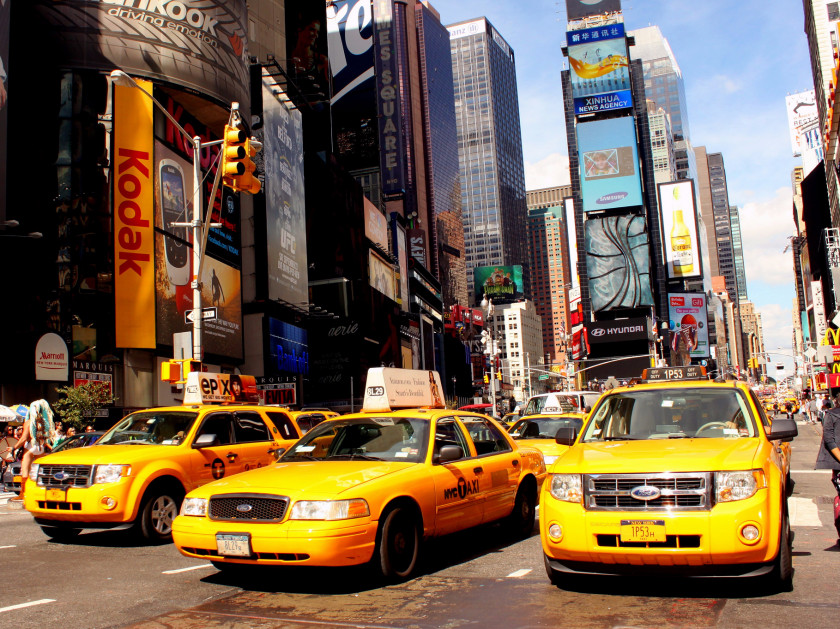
<point x="210" y="388"/>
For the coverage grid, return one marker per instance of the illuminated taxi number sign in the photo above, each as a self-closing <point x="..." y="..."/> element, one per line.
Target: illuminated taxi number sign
<point x="690" y="372"/>
<point x="376" y="391"/>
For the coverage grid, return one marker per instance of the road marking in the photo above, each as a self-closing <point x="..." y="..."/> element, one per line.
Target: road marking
<point x="2" y="547"/>
<point x="204" y="565"/>
<point x="804" y="512"/>
<point x="810" y="471"/>
<point x="30" y="604"/>
<point x="519" y="573"/>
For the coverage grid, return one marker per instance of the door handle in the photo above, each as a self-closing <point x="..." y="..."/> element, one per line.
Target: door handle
<point x="478" y="470"/>
<point x="231" y="455"/>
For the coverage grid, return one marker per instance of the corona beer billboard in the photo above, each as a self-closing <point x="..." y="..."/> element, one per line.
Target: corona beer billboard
<point x="679" y="229"/>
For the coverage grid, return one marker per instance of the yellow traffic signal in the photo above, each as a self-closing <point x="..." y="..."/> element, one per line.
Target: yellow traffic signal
<point x="486" y="379"/>
<point x="498" y="375"/>
<point x="249" y="182"/>
<point x="177" y="369"/>
<point x="233" y="156"/>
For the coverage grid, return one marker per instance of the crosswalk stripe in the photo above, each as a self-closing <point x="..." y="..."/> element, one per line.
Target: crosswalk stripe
<point x="804" y="512"/>
<point x="23" y="605"/>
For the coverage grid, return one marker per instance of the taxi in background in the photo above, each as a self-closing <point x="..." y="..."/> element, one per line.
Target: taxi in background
<point x="139" y="471"/>
<point x="369" y="487"/>
<point x="540" y="432"/>
<point x="681" y="477"/>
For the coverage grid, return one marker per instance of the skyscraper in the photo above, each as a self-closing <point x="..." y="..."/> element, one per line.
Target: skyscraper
<point x="738" y="253"/>
<point x="489" y="147"/>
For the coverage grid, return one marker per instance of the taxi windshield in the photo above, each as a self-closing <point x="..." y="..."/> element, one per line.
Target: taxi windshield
<point x="671" y="414"/>
<point x="372" y="438"/>
<point x="543" y="427"/>
<point x="164" y="428"/>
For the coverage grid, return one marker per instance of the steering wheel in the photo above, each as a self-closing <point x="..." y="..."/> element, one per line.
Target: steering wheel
<point x="710" y="425"/>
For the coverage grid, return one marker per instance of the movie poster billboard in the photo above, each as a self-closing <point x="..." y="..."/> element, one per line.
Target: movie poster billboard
<point x="802" y="118"/>
<point x="307" y="55"/>
<point x="5" y="12"/>
<point x="609" y="164"/>
<point x="285" y="205"/>
<point x="679" y="229"/>
<point x="577" y="9"/>
<point x="381" y="276"/>
<point x="600" y="69"/>
<point x="687" y="315"/>
<point x="500" y="283"/>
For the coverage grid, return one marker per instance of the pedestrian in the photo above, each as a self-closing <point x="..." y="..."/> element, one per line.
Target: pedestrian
<point x="59" y="431"/>
<point x="826" y="406"/>
<point x="829" y="455"/>
<point x="89" y="428"/>
<point x="38" y="437"/>
<point x="813" y="409"/>
<point x="789" y="409"/>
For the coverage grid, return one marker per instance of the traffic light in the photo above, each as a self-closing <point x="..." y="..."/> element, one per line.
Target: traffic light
<point x="238" y="151"/>
<point x="499" y="375"/>
<point x="177" y="369"/>
<point x="486" y="379"/>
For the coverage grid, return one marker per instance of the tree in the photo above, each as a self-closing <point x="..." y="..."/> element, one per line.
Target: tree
<point x="81" y="401"/>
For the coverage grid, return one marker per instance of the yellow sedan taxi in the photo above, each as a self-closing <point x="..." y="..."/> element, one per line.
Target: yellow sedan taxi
<point x="539" y="431"/>
<point x="683" y="477"/>
<point x="368" y="487"/>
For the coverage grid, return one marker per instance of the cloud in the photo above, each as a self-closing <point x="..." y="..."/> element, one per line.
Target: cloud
<point x="777" y="325"/>
<point x="765" y="227"/>
<point x="551" y="171"/>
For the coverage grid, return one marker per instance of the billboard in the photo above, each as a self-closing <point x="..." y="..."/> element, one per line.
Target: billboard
<point x="381" y="276"/>
<point x="618" y="331"/>
<point x="198" y="44"/>
<point x="307" y="57"/>
<point x="687" y="315"/>
<point x="679" y="229"/>
<point x="499" y="283"/>
<point x="5" y="12"/>
<point x="609" y="164"/>
<point x="576" y="9"/>
<point x="802" y="118"/>
<point x="288" y="348"/>
<point x="571" y="239"/>
<point x="600" y="69"/>
<point x="618" y="262"/>
<point x="285" y="208"/>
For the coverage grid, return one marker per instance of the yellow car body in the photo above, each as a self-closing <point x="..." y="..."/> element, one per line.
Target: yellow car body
<point x="539" y="431"/>
<point x="389" y="480"/>
<point x="681" y="478"/>
<point x="140" y="476"/>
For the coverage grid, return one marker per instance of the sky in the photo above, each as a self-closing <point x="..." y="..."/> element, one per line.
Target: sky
<point x="739" y="60"/>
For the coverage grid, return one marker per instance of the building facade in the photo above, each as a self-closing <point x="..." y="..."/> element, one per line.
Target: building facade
<point x="517" y="327"/>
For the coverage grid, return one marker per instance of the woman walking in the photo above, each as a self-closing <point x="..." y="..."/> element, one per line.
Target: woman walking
<point x="829" y="455"/>
<point x="37" y="439"/>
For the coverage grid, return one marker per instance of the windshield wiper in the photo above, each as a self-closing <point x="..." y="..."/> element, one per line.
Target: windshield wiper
<point x="305" y="457"/>
<point x="620" y="438"/>
<point x="361" y="457"/>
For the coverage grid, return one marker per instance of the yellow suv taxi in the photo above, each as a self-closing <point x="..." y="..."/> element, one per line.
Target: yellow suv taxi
<point x="680" y="477"/>
<point x="540" y="432"/>
<point x="368" y="487"/>
<point x="139" y="471"/>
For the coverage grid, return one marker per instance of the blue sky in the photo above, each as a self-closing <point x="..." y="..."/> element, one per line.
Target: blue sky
<point x="739" y="60"/>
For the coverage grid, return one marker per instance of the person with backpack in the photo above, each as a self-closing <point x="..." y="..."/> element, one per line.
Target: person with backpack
<point x="829" y="456"/>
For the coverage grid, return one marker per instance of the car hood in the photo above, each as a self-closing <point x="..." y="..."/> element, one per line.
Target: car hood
<point x="658" y="455"/>
<point x="549" y="447"/>
<point x="105" y="454"/>
<point x="306" y="479"/>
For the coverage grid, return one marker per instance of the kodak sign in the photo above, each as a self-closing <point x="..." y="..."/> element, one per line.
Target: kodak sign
<point x="134" y="225"/>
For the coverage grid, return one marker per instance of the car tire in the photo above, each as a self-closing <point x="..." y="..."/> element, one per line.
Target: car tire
<point x="521" y="521"/>
<point x="397" y="544"/>
<point x="158" y="510"/>
<point x="782" y="574"/>
<point x="60" y="533"/>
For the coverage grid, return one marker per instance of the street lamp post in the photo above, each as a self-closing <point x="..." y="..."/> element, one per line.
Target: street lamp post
<point x="491" y="348"/>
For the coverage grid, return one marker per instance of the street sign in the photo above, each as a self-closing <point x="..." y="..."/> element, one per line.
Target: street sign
<point x="544" y="376"/>
<point x="206" y="313"/>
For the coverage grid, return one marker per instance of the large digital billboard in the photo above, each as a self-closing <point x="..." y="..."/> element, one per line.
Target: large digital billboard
<point x="679" y="229"/>
<point x="600" y="69"/>
<point x="803" y="118"/>
<point x="576" y="9"/>
<point x="499" y="283"/>
<point x="687" y="314"/>
<point x="609" y="164"/>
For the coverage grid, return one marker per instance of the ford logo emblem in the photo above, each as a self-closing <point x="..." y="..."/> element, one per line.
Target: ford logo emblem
<point x="59" y="476"/>
<point x="645" y="492"/>
<point x="244" y="508"/>
<point x="598" y="332"/>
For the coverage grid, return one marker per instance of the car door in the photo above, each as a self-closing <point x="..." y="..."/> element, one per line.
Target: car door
<point x="497" y="466"/>
<point x="458" y="502"/>
<point x="254" y="445"/>
<point x="215" y="462"/>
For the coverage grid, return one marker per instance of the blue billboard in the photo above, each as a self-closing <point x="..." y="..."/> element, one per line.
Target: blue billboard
<point x="288" y="348"/>
<point x="609" y="164"/>
<point x="600" y="69"/>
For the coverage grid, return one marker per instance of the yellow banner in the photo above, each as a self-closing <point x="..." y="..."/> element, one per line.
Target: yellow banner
<point x="134" y="224"/>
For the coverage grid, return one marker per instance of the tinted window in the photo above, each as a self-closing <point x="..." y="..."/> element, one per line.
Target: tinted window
<point x="448" y="433"/>
<point x="308" y="422"/>
<point x="284" y="425"/>
<point x="486" y="437"/>
<point x="167" y="428"/>
<point x="249" y="427"/>
<point x="218" y="424"/>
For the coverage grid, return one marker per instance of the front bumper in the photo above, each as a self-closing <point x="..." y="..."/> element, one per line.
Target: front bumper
<point x="291" y="542"/>
<point x="82" y="505"/>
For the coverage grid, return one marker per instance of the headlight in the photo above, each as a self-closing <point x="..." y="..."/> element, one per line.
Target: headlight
<point x="731" y="486"/>
<point x="566" y="487"/>
<point x="330" y="509"/>
<point x="550" y="459"/>
<point x="110" y="473"/>
<point x="194" y="506"/>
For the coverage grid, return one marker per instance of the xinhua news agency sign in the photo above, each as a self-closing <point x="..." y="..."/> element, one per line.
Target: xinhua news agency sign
<point x="619" y="331"/>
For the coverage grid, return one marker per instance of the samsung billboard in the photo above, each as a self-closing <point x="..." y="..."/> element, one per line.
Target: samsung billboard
<point x="609" y="164"/>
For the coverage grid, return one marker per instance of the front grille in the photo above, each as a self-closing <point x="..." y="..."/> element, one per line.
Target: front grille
<point x="682" y="491"/>
<point x="59" y="506"/>
<point x="213" y="554"/>
<point x="671" y="541"/>
<point x="263" y="508"/>
<point x="75" y="475"/>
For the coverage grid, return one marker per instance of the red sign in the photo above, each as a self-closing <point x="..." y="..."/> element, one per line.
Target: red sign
<point x="281" y="393"/>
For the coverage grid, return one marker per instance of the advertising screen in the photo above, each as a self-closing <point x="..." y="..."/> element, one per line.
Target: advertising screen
<point x="571" y="238"/>
<point x="600" y="70"/>
<point x="679" y="229"/>
<point x="576" y="9"/>
<point x="802" y="118"/>
<point x="609" y="164"/>
<point x="687" y="314"/>
<point x="5" y="12"/>
<point x="499" y="283"/>
<point x="382" y="276"/>
<point x="288" y="349"/>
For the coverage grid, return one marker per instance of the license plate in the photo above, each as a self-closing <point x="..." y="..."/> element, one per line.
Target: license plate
<point x="233" y="545"/>
<point x="642" y="530"/>
<point x="57" y="495"/>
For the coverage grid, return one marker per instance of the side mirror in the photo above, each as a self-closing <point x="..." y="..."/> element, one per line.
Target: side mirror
<point x="277" y="452"/>
<point x="205" y="441"/>
<point x="449" y="453"/>
<point x="566" y="436"/>
<point x="782" y="429"/>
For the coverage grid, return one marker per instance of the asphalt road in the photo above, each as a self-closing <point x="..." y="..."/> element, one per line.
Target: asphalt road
<point x="475" y="579"/>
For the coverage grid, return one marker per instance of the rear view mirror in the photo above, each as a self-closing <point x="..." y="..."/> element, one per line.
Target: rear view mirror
<point x="205" y="441"/>
<point x="566" y="436"/>
<point x="783" y="429"/>
<point x="449" y="453"/>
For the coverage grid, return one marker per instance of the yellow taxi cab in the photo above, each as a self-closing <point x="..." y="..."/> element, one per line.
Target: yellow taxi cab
<point x="682" y="477"/>
<point x="139" y="471"/>
<point x="539" y="431"/>
<point x="369" y="487"/>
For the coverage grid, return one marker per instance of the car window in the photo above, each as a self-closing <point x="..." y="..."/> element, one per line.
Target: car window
<point x="164" y="428"/>
<point x="485" y="436"/>
<point x="760" y="408"/>
<point x="218" y="424"/>
<point x="543" y="426"/>
<point x="249" y="427"/>
<point x="284" y="424"/>
<point x="449" y="433"/>
<point x="309" y="421"/>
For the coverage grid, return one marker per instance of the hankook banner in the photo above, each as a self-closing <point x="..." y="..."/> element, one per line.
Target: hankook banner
<point x="618" y="331"/>
<point x="199" y="44"/>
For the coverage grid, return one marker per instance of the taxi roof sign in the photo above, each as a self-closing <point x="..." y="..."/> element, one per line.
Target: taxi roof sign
<point x="220" y="388"/>
<point x="666" y="374"/>
<point x="389" y="389"/>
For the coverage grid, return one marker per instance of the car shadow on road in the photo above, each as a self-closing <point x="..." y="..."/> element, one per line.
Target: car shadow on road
<point x="107" y="538"/>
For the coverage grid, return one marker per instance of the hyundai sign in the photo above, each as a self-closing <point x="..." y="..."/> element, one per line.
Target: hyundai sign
<point x="618" y="331"/>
